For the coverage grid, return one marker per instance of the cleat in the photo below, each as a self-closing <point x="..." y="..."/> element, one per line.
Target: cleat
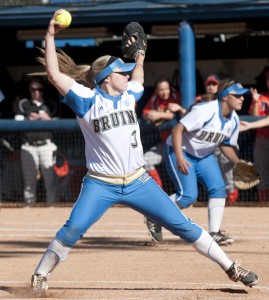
<point x="155" y="230"/>
<point x="39" y="284"/>
<point x="221" y="239"/>
<point x="236" y="273"/>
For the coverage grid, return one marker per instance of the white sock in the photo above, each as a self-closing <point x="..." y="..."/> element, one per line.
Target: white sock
<point x="173" y="197"/>
<point x="55" y="254"/>
<point x="48" y="263"/>
<point x="60" y="249"/>
<point x="215" y="213"/>
<point x="206" y="246"/>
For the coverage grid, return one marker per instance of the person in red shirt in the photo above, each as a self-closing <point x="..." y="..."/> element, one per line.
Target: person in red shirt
<point x="211" y="84"/>
<point x="158" y="113"/>
<point x="260" y="107"/>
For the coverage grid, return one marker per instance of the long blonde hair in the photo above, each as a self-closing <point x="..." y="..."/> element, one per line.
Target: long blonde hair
<point x="82" y="73"/>
<point x="225" y="83"/>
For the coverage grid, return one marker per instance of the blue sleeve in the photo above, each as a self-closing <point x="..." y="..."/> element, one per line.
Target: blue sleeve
<point x="79" y="104"/>
<point x="232" y="141"/>
<point x="135" y="89"/>
<point x="137" y="96"/>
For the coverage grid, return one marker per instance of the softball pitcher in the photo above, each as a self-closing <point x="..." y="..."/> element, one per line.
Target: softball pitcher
<point x="105" y="109"/>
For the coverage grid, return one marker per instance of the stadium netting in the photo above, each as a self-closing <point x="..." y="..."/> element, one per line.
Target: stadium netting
<point x="68" y="137"/>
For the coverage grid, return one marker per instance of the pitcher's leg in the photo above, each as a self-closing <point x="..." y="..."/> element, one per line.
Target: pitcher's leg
<point x="148" y="198"/>
<point x="94" y="200"/>
<point x="162" y="209"/>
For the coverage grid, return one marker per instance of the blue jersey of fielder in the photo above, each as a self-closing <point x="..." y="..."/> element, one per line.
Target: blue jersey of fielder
<point x="206" y="129"/>
<point x="105" y="121"/>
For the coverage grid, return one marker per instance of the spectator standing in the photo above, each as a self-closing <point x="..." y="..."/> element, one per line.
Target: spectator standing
<point x="37" y="150"/>
<point x="244" y="125"/>
<point x="211" y="84"/>
<point x="260" y="107"/>
<point x="157" y="112"/>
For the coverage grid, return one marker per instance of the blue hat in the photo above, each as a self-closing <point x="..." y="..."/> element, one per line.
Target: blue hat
<point x="234" y="89"/>
<point x="116" y="66"/>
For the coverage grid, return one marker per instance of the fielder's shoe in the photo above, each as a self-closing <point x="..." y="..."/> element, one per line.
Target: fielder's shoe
<point x="236" y="273"/>
<point x="39" y="284"/>
<point x="232" y="196"/>
<point x="155" y="230"/>
<point x="221" y="239"/>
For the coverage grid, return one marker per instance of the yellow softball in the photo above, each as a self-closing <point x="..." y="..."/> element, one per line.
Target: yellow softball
<point x="64" y="18"/>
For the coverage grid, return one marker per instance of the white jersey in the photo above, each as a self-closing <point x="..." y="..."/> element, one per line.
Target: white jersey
<point x="206" y="129"/>
<point x="110" y="128"/>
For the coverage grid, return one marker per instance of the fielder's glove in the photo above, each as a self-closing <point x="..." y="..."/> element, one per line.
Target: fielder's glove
<point x="133" y="29"/>
<point x="245" y="175"/>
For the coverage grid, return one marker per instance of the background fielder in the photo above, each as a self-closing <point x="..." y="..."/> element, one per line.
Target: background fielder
<point x="190" y="152"/>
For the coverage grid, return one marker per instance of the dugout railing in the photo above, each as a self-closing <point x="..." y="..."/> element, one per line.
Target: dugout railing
<point x="69" y="140"/>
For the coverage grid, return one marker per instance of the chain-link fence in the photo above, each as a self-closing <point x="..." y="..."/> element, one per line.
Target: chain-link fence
<point x="70" y="149"/>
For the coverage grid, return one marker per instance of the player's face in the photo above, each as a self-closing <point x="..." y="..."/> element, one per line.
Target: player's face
<point x="119" y="81"/>
<point x="163" y="90"/>
<point x="235" y="102"/>
<point x="211" y="88"/>
<point x="36" y="91"/>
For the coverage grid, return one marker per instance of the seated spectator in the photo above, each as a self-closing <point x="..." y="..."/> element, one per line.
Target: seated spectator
<point x="157" y="112"/>
<point x="37" y="150"/>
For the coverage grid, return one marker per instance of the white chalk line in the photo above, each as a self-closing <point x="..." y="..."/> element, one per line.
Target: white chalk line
<point x="153" y="284"/>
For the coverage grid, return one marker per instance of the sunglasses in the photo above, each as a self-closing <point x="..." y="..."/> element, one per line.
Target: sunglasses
<point x="237" y="96"/>
<point x="123" y="73"/>
<point x="37" y="89"/>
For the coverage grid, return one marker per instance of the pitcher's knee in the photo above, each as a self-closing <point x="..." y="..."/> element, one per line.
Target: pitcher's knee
<point x="189" y="232"/>
<point x="186" y="200"/>
<point x="69" y="235"/>
<point x="219" y="192"/>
